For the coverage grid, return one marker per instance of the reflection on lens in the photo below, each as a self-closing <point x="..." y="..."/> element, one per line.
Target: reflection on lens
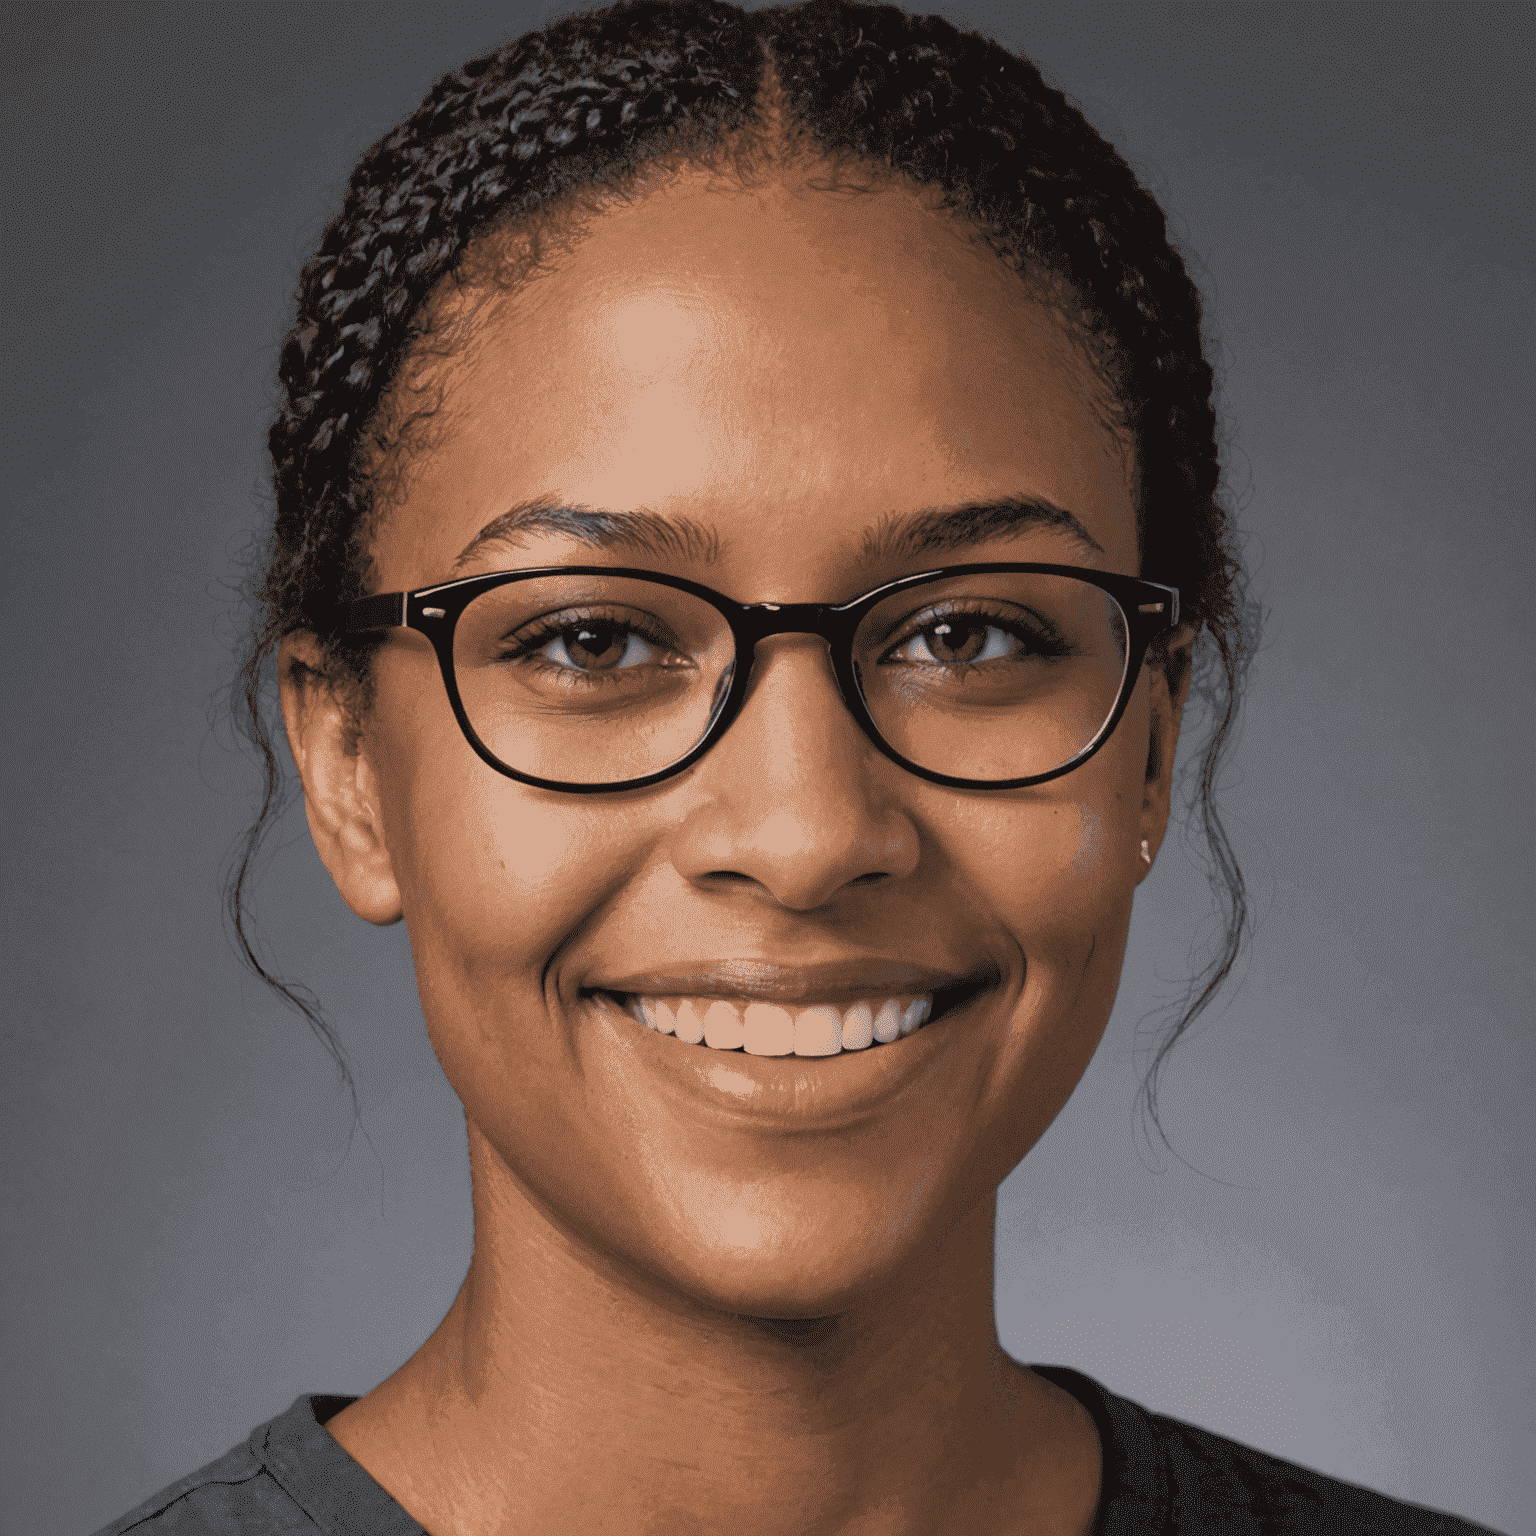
<point x="990" y="677"/>
<point x="590" y="679"/>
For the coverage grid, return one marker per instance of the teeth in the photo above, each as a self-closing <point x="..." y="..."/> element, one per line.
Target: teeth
<point x="656" y="1015"/>
<point x="765" y="1029"/>
<point x="723" y="1029"/>
<point x="768" y="1031"/>
<point x="690" y="1026"/>
<point x="888" y="1021"/>
<point x="818" y="1032"/>
<point x="858" y="1027"/>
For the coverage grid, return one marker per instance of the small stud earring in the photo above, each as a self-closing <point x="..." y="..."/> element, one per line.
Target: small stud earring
<point x="1146" y="858"/>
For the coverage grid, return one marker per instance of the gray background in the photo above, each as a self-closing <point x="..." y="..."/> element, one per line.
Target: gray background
<point x="1345" y="1275"/>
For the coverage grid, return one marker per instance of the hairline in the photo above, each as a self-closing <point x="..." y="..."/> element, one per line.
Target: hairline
<point x="505" y="258"/>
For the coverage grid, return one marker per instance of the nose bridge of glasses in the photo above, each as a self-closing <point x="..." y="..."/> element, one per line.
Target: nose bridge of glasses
<point x="786" y="618"/>
<point x="768" y="621"/>
<point x="769" y="628"/>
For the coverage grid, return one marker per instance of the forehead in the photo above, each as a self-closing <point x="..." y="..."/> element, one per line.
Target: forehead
<point x="784" y="365"/>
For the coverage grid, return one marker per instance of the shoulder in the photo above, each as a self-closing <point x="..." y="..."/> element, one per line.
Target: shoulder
<point x="289" y="1478"/>
<point x="1217" y="1477"/>
<point x="235" y="1494"/>
<point x="1165" y="1475"/>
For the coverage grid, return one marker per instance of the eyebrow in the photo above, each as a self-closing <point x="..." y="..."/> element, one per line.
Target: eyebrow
<point x="904" y="535"/>
<point x="643" y="532"/>
<point x="895" y="536"/>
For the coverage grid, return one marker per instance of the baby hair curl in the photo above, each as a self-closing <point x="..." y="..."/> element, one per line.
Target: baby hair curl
<point x="589" y="104"/>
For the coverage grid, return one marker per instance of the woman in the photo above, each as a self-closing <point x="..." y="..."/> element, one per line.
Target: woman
<point x="746" y="529"/>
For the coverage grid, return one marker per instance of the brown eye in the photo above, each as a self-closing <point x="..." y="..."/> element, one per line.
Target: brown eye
<point x="590" y="646"/>
<point x="596" y="647"/>
<point x="956" y="640"/>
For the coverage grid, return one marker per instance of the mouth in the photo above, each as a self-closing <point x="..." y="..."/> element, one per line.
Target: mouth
<point x="819" y="1027"/>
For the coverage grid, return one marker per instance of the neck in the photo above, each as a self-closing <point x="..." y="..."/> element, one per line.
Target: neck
<point x="564" y="1386"/>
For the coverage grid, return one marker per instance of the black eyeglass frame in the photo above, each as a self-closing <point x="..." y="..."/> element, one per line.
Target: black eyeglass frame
<point x="1148" y="607"/>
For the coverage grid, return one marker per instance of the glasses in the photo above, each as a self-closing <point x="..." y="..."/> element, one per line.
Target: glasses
<point x="591" y="679"/>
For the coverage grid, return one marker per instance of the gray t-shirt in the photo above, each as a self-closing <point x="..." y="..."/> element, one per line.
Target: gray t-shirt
<point x="1161" y="1478"/>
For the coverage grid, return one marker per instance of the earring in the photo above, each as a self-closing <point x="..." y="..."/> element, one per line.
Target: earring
<point x="1146" y="858"/>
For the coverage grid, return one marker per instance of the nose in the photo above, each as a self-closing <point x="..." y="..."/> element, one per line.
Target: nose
<point x="797" y="802"/>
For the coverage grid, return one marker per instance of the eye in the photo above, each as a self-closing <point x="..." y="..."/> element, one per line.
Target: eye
<point x="596" y="645"/>
<point x="958" y="639"/>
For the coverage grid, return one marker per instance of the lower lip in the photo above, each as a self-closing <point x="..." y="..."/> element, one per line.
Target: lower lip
<point x="791" y="1093"/>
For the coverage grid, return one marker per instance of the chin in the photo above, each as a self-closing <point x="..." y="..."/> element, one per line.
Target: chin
<point x="804" y="1253"/>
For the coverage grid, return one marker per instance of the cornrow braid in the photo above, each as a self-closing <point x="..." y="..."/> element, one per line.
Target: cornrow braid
<point x="592" y="100"/>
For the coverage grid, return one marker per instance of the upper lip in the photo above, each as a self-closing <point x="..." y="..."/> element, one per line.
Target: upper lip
<point x="771" y="982"/>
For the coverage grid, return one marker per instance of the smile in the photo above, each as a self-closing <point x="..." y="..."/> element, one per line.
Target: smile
<point x="769" y="1029"/>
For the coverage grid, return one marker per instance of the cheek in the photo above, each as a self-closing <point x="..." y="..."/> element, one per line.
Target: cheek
<point x="1054" y="868"/>
<point x="1055" y="865"/>
<point x="494" y="876"/>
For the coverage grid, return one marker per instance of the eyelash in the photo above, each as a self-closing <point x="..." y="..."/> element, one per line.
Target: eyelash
<point x="554" y="628"/>
<point x="1035" y="640"/>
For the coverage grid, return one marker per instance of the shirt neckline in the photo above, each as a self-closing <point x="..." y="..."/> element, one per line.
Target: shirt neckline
<point x="342" y="1499"/>
<point x="1134" y="1495"/>
<point x="310" y="1466"/>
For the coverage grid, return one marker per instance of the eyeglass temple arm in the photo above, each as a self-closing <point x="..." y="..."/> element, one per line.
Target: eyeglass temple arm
<point x="1168" y="610"/>
<point x="386" y="611"/>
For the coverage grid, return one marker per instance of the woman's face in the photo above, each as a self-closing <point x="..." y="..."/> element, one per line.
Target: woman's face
<point x="780" y="373"/>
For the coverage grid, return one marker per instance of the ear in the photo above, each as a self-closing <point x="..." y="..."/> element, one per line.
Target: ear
<point x="1169" y="677"/>
<point x="341" y="791"/>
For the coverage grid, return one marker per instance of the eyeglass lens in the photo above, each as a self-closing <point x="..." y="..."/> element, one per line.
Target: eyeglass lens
<point x="599" y="679"/>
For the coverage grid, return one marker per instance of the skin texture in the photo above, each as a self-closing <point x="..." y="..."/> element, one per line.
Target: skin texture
<point x="785" y="368"/>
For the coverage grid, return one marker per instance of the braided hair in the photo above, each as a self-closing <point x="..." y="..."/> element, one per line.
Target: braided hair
<point x="591" y="103"/>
